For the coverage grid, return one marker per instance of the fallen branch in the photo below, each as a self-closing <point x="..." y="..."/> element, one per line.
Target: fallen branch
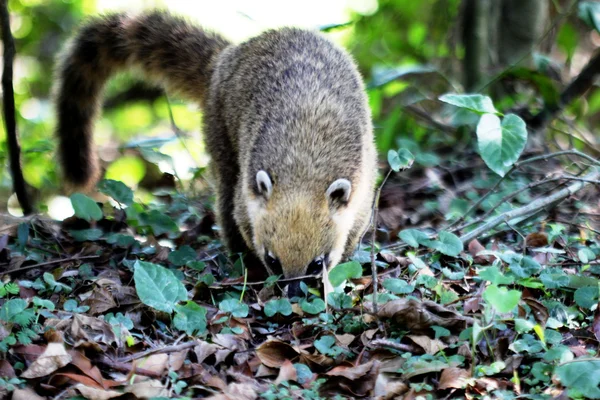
<point x="512" y="169"/>
<point x="532" y="207"/>
<point x="8" y="100"/>
<point x="576" y="88"/>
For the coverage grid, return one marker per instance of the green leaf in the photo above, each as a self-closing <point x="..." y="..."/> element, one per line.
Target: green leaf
<point x="85" y="235"/>
<point x="190" y="318"/>
<point x="234" y="307"/>
<point x="582" y="378"/>
<point x="502" y="299"/>
<point x="326" y="345"/>
<point x="86" y="208"/>
<point x="473" y="102"/>
<point x="589" y="12"/>
<point x="495" y="276"/>
<point x="42" y="303"/>
<point x="159" y="222"/>
<point x="344" y="271"/>
<point x="398" y="286"/>
<point x="401" y="159"/>
<point x="281" y="306"/>
<point x="448" y="244"/>
<point x="303" y="372"/>
<point x="313" y="307"/>
<point x="586" y="297"/>
<point x="586" y="255"/>
<point x="413" y="237"/>
<point x="182" y="255"/>
<point x="12" y="308"/>
<point x="117" y="190"/>
<point x="158" y="287"/>
<point x="501" y="144"/>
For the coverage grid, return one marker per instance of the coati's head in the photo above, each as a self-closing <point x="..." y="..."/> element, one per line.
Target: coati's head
<point x="297" y="232"/>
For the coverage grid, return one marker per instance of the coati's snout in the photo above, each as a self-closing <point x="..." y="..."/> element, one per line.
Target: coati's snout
<point x="297" y="232"/>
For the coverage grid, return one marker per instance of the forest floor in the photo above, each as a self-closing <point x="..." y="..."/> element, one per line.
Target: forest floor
<point x="142" y="301"/>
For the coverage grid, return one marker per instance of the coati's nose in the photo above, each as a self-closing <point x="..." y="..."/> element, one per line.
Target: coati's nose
<point x="294" y="289"/>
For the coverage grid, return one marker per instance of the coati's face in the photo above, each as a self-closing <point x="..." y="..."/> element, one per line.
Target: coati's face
<point x="298" y="233"/>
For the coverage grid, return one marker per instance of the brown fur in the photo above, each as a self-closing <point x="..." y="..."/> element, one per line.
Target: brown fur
<point x="287" y="102"/>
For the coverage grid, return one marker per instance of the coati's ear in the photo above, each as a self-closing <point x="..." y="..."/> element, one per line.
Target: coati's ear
<point x="264" y="184"/>
<point x="339" y="192"/>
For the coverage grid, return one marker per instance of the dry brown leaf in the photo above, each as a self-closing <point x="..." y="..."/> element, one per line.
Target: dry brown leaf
<point x="161" y="363"/>
<point x="345" y="340"/>
<point x="474" y="249"/>
<point x="453" y="378"/>
<point x="100" y="301"/>
<point x="273" y="353"/>
<point x="91" y="393"/>
<point x="205" y="350"/>
<point x="238" y="391"/>
<point x="355" y="381"/>
<point x="418" y="316"/>
<point x="431" y="346"/>
<point x="26" y="393"/>
<point x="147" y="389"/>
<point x="85" y="328"/>
<point x="54" y="357"/>
<point x="287" y="372"/>
<point x="353" y="373"/>
<point x="389" y="386"/>
<point x="85" y="365"/>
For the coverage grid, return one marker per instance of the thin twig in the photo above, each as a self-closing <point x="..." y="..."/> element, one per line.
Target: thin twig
<point x="531" y="208"/>
<point x="160" y="350"/>
<point x="373" y="234"/>
<point x="27" y="267"/>
<point x="8" y="100"/>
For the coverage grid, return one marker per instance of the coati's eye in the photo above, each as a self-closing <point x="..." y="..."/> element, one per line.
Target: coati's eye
<point x="273" y="263"/>
<point x="316" y="265"/>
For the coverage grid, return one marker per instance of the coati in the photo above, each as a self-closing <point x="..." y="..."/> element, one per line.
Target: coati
<point x="286" y="123"/>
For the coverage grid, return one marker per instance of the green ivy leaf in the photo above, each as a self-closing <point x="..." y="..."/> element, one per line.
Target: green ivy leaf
<point x="586" y="297"/>
<point x="159" y="222"/>
<point x="581" y="378"/>
<point x="117" y="190"/>
<point x="344" y="271"/>
<point x="42" y="303"/>
<point x="501" y="143"/>
<point x="398" y="286"/>
<point x="190" y="318"/>
<point x="85" y="235"/>
<point x="158" y="287"/>
<point x="474" y="102"/>
<point x="586" y="255"/>
<point x="326" y="345"/>
<point x="502" y="299"/>
<point x="495" y="276"/>
<point x="182" y="255"/>
<point x="413" y="237"/>
<point x="401" y="159"/>
<point x="12" y="308"/>
<point x="281" y="306"/>
<point x="313" y="307"/>
<point x="303" y="372"/>
<point x="86" y="208"/>
<point x="234" y="307"/>
<point x="447" y="243"/>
